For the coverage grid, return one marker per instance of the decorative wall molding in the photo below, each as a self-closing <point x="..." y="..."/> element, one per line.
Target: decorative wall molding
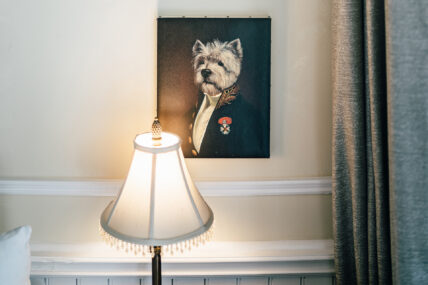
<point x="213" y="259"/>
<point x="311" y="186"/>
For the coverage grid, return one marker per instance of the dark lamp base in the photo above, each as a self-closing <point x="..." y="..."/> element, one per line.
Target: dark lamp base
<point x="156" y="266"/>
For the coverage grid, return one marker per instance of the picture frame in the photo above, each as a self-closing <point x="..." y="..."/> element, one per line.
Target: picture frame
<point x="213" y="83"/>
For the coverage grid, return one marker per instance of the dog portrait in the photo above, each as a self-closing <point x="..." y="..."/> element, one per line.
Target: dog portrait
<point x="214" y="85"/>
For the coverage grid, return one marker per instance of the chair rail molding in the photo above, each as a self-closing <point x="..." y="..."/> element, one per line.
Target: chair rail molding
<point x="307" y="186"/>
<point x="212" y="259"/>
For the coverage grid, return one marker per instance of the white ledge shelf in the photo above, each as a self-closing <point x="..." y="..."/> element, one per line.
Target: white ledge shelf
<point x="212" y="259"/>
<point x="311" y="186"/>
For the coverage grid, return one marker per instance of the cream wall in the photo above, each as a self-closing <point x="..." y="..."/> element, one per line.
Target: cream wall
<point x="77" y="83"/>
<point x="76" y="219"/>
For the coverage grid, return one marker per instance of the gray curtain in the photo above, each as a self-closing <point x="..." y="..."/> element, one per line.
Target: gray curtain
<point x="380" y="141"/>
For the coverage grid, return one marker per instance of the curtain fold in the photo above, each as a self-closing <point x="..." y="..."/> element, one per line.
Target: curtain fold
<point x="380" y="134"/>
<point x="360" y="166"/>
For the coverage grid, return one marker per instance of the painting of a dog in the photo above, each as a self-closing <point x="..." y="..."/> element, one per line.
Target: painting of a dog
<point x="221" y="121"/>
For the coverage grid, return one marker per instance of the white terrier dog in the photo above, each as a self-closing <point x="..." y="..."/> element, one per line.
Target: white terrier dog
<point x="217" y="65"/>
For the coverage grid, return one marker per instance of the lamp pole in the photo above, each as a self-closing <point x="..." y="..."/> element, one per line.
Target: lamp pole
<point x="156" y="266"/>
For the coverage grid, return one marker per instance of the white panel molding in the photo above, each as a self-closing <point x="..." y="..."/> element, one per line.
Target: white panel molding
<point x="264" y="258"/>
<point x="310" y="186"/>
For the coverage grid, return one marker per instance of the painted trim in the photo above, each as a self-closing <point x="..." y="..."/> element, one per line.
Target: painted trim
<point x="311" y="186"/>
<point x="308" y="186"/>
<point x="213" y="259"/>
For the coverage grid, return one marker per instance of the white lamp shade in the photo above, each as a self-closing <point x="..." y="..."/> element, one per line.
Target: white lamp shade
<point x="158" y="203"/>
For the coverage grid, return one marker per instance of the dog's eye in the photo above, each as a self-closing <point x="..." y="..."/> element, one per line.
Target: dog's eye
<point x="201" y="62"/>
<point x="220" y="63"/>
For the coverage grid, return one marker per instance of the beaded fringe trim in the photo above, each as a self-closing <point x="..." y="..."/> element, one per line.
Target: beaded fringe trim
<point x="147" y="250"/>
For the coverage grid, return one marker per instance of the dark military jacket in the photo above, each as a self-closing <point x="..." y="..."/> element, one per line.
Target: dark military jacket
<point x="234" y="129"/>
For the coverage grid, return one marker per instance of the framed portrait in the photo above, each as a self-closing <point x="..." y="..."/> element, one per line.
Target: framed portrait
<point x="214" y="85"/>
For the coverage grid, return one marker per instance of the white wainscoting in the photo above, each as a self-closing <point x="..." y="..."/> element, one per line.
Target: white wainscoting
<point x="260" y="280"/>
<point x="216" y="263"/>
<point x="271" y="262"/>
<point x="311" y="186"/>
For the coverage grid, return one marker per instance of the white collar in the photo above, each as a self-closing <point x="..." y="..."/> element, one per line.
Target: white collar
<point x="212" y="100"/>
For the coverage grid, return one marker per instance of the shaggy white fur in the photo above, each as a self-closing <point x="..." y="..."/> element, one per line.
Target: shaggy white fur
<point x="217" y="65"/>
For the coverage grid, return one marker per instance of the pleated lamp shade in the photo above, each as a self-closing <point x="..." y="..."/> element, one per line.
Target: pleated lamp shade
<point x="158" y="205"/>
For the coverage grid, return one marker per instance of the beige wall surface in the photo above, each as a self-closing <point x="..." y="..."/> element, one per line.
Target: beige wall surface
<point x="78" y="82"/>
<point x="75" y="219"/>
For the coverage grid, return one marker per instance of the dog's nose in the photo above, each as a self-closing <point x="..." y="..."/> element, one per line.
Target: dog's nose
<point x="206" y="72"/>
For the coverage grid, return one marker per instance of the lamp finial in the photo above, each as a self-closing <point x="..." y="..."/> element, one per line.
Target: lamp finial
<point x="156" y="130"/>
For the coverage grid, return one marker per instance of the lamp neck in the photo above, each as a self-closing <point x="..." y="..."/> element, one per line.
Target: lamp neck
<point x="156" y="266"/>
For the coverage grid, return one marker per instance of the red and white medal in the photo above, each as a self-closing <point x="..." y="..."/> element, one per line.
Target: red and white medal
<point x="225" y="123"/>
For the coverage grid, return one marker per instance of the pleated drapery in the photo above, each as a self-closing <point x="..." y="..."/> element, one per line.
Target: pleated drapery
<point x="380" y="134"/>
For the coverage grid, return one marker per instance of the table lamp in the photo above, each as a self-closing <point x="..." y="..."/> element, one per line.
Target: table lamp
<point x="159" y="209"/>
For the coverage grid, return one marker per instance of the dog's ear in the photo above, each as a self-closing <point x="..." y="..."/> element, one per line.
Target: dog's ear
<point x="236" y="48"/>
<point x="197" y="47"/>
